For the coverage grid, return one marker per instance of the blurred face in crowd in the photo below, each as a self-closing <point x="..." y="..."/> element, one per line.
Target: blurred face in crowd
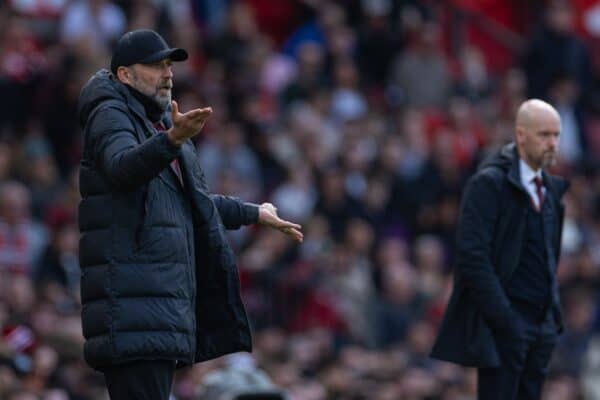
<point x="537" y="133"/>
<point x="154" y="80"/>
<point x="23" y="396"/>
<point x="55" y="394"/>
<point x="560" y="17"/>
<point x="21" y="295"/>
<point x="67" y="239"/>
<point x="14" y="203"/>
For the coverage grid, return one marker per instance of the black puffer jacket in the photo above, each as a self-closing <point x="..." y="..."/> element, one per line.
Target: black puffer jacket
<point x="159" y="280"/>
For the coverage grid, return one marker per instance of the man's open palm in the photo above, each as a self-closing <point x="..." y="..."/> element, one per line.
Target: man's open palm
<point x="188" y="124"/>
<point x="267" y="215"/>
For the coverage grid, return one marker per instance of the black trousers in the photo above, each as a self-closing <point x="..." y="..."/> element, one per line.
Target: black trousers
<point x="140" y="380"/>
<point x="524" y="360"/>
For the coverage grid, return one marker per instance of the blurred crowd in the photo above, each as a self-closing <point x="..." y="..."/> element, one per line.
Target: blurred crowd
<point x="359" y="119"/>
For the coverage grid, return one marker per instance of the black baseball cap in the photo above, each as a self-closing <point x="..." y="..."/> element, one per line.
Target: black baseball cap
<point x="143" y="46"/>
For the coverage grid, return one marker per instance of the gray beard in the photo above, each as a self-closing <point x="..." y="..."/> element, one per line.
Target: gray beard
<point x="162" y="101"/>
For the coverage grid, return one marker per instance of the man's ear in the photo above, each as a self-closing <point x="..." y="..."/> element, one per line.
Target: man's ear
<point x="124" y="75"/>
<point x="520" y="134"/>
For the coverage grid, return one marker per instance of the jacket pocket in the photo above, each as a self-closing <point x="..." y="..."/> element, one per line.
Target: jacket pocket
<point x="481" y="344"/>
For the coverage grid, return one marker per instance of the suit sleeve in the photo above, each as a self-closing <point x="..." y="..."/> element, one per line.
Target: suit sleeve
<point x="479" y="214"/>
<point x="127" y="163"/>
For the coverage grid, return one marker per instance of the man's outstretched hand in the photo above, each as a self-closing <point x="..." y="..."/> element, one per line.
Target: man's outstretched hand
<point x="186" y="125"/>
<point x="267" y="215"/>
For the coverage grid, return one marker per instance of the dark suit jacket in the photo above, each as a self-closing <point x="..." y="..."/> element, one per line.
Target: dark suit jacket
<point x="489" y="239"/>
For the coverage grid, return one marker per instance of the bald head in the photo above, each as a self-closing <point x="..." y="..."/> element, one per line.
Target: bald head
<point x="537" y="129"/>
<point x="531" y="111"/>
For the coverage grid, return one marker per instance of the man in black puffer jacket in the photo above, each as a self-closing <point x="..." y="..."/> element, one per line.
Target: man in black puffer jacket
<point x="159" y="285"/>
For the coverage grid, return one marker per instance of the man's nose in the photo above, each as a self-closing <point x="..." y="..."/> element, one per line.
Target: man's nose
<point x="168" y="72"/>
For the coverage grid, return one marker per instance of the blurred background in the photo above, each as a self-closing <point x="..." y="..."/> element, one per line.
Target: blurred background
<point x="359" y="119"/>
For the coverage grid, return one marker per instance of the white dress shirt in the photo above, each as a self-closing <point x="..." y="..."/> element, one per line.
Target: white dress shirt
<point x="527" y="177"/>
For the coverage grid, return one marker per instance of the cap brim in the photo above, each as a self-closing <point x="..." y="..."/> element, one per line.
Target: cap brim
<point x="175" y="54"/>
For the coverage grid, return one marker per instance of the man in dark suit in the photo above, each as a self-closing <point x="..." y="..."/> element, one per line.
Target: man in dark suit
<point x="504" y="314"/>
<point x="159" y="285"/>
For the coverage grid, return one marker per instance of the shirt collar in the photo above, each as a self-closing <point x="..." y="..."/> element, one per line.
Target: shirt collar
<point x="527" y="173"/>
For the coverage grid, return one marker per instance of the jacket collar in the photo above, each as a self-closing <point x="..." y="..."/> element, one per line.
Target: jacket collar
<point x="557" y="186"/>
<point x="151" y="109"/>
<point x="514" y="171"/>
<point x="136" y="107"/>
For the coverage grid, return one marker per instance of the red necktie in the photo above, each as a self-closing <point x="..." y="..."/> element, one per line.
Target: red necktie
<point x="161" y="128"/>
<point x="540" y="193"/>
